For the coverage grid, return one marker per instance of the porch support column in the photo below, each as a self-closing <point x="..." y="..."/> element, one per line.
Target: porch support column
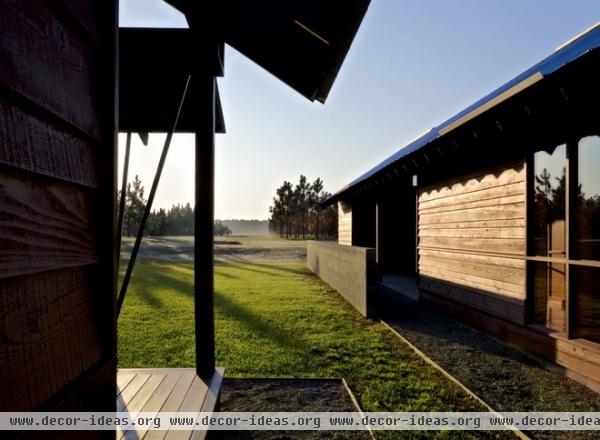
<point x="204" y="98"/>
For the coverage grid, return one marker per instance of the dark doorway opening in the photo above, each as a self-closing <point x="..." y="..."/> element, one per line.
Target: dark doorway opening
<point x="396" y="232"/>
<point x="396" y="241"/>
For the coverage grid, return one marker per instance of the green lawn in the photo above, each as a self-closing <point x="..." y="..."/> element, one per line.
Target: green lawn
<point x="278" y="320"/>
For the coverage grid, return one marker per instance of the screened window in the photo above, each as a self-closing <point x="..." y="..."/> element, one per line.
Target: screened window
<point x="549" y="294"/>
<point x="586" y="281"/>
<point x="548" y="226"/>
<point x="588" y="199"/>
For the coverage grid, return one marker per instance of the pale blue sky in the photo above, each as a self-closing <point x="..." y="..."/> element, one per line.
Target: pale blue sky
<point x="413" y="64"/>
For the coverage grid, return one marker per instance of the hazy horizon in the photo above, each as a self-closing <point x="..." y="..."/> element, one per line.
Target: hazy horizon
<point x="412" y="66"/>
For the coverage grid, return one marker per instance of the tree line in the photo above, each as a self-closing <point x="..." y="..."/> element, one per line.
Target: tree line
<point x="178" y="220"/>
<point x="296" y="211"/>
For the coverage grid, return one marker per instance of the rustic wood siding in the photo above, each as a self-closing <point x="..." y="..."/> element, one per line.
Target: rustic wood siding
<point x="345" y="223"/>
<point x="472" y="240"/>
<point x="57" y="187"/>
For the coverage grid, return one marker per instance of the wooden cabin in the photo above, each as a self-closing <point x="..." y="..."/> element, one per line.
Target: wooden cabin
<point x="69" y="81"/>
<point x="493" y="216"/>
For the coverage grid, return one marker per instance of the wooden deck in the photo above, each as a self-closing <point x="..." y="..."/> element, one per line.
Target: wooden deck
<point x="166" y="390"/>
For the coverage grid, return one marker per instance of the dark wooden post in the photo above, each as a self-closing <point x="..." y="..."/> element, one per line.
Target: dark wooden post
<point x="204" y="93"/>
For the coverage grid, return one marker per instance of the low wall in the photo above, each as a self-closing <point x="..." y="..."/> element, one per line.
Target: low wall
<point x="350" y="270"/>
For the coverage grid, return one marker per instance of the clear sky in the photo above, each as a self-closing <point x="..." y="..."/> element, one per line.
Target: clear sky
<point x="413" y="64"/>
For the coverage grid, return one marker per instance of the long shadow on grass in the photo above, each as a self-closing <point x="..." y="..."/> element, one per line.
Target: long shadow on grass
<point x="243" y="264"/>
<point x="162" y="277"/>
<point x="255" y="323"/>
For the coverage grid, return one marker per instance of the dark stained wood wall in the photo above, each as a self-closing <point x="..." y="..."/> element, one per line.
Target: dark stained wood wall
<point x="57" y="188"/>
<point x="472" y="240"/>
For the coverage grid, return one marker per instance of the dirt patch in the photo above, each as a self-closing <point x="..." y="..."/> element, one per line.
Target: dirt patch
<point x="288" y="395"/>
<point x="234" y="249"/>
<point x="504" y="377"/>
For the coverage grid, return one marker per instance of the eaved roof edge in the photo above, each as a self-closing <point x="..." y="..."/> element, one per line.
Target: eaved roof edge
<point x="565" y="54"/>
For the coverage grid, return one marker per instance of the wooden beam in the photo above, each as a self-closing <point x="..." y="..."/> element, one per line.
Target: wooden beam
<point x="205" y="108"/>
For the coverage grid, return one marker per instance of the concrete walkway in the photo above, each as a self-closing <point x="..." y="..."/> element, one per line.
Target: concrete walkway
<point x="502" y="376"/>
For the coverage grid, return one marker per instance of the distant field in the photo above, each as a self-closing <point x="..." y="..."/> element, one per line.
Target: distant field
<point x="241" y="249"/>
<point x="247" y="227"/>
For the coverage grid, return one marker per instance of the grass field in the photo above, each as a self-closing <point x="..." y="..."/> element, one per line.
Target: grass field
<point x="277" y="320"/>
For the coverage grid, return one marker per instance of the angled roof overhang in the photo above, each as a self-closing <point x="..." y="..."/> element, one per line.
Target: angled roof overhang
<point x="301" y="42"/>
<point x="154" y="67"/>
<point x="587" y="43"/>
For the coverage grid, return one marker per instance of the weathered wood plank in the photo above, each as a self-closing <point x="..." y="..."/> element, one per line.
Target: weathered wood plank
<point x="476" y="182"/>
<point x="344" y="224"/>
<point x="174" y="401"/>
<point x="471" y="234"/>
<point x="48" y="329"/>
<point x="44" y="225"/>
<point x="511" y="309"/>
<point x="123" y="380"/>
<point x="46" y="62"/>
<point x="489" y="285"/>
<point x="139" y="400"/>
<point x="498" y="203"/>
<point x="145" y="392"/>
<point x="489" y="213"/>
<point x="192" y="402"/>
<point x="507" y="232"/>
<point x="491" y="193"/>
<point x="32" y="144"/>
<point x="492" y="272"/>
<point x="496" y="245"/>
<point x="475" y="257"/>
<point x="158" y="399"/>
<point x="510" y="223"/>
<point x="131" y="390"/>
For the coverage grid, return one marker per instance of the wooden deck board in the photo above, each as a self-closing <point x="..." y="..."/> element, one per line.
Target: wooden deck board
<point x="123" y="380"/>
<point x="166" y="390"/>
<point x="141" y="397"/>
<point x="130" y="390"/>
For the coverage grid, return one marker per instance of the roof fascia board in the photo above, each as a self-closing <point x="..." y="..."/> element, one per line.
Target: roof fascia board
<point x="526" y="83"/>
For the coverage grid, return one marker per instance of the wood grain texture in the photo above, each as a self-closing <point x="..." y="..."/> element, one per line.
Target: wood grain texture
<point x="473" y="183"/>
<point x="47" y="63"/>
<point x="471" y="234"/>
<point x="47" y="330"/>
<point x="345" y="223"/>
<point x="166" y="390"/>
<point x="503" y="306"/>
<point x="32" y="144"/>
<point x="44" y="225"/>
<point x="57" y="190"/>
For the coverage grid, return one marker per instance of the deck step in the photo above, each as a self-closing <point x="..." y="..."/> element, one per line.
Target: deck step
<point x="166" y="390"/>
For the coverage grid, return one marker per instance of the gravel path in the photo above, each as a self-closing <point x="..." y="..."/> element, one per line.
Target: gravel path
<point x="287" y="395"/>
<point x="504" y="377"/>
